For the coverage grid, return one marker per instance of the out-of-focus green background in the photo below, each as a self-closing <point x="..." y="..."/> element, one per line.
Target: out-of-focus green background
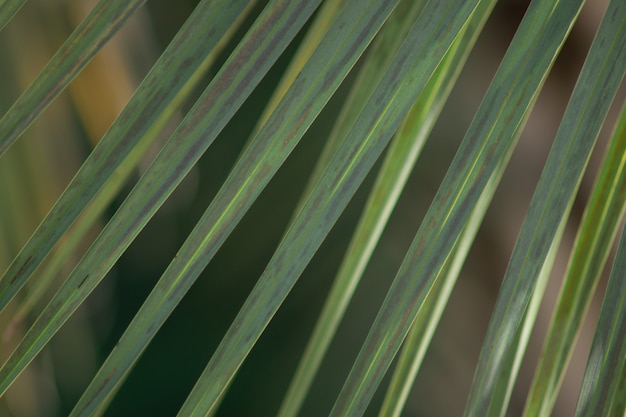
<point x="35" y="171"/>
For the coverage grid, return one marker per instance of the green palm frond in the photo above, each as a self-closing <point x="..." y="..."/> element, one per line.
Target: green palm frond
<point x="356" y="89"/>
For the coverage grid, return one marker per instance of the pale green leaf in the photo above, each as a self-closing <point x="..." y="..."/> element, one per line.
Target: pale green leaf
<point x="423" y="328"/>
<point x="324" y="17"/>
<point x="368" y="77"/>
<point x="506" y="380"/>
<point x="597" y="84"/>
<point x="487" y="145"/>
<point x="597" y="231"/>
<point x="602" y="392"/>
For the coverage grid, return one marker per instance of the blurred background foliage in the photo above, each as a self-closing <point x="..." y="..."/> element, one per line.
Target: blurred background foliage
<point x="37" y="168"/>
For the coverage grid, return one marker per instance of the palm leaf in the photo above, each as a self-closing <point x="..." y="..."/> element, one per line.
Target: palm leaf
<point x="8" y="8"/>
<point x="208" y="116"/>
<point x="597" y="231"/>
<point x="155" y="100"/>
<point x="597" y="85"/>
<point x="103" y="21"/>
<point x="407" y="74"/>
<point x="487" y="145"/>
<point x="196" y="61"/>
<point x="401" y="156"/>
<point x="602" y="392"/>
<point x="221" y="216"/>
<point x="386" y="68"/>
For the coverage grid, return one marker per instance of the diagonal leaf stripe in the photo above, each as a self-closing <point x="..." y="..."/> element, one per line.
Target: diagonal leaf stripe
<point x="397" y="61"/>
<point x="400" y="159"/>
<point x="426" y="44"/>
<point x="215" y="19"/>
<point x="488" y="144"/>
<point x="423" y="328"/>
<point x="383" y="48"/>
<point x="265" y="41"/>
<point x="392" y="176"/>
<point x="8" y="9"/>
<point x="159" y="94"/>
<point x="324" y="18"/>
<point x="597" y="85"/>
<point x="602" y="392"/>
<point x="503" y="387"/>
<point x="328" y="66"/>
<point x="597" y="231"/>
<point x="93" y="32"/>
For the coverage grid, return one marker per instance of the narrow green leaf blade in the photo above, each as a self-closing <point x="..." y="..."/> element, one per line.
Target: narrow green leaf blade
<point x="324" y="18"/>
<point x="602" y="392"/>
<point x="103" y="21"/>
<point x="368" y="77"/>
<point x="8" y="9"/>
<point x="157" y="97"/>
<point x="228" y="19"/>
<point x="399" y="161"/>
<point x="262" y="45"/>
<point x="423" y="328"/>
<point x="597" y="231"/>
<point x="506" y="380"/>
<point x="487" y="145"/>
<point x="412" y="66"/>
<point x="303" y="101"/>
<point x="597" y="85"/>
